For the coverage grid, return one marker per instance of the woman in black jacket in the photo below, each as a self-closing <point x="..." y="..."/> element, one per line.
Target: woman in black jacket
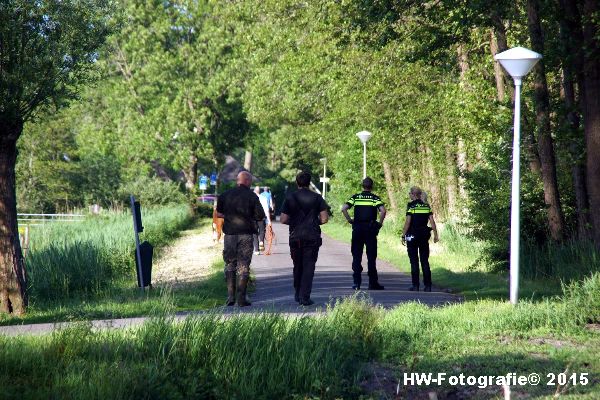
<point x="416" y="234"/>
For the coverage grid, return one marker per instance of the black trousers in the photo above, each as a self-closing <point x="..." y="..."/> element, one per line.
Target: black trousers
<point x="418" y="249"/>
<point x="260" y="237"/>
<point x="364" y="235"/>
<point x="304" y="256"/>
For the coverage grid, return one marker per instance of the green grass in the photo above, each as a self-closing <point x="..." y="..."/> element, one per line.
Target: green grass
<point x="127" y="302"/>
<point x="64" y="264"/>
<point x="454" y="269"/>
<point x="269" y="356"/>
<point x="96" y="255"/>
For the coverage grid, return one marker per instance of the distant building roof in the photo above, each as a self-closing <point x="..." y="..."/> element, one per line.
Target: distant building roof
<point x="231" y="169"/>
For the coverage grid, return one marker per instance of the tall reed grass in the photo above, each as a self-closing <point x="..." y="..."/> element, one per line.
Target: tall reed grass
<point x="270" y="356"/>
<point x="89" y="257"/>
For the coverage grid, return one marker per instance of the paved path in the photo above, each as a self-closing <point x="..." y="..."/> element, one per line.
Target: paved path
<point x="275" y="293"/>
<point x="333" y="279"/>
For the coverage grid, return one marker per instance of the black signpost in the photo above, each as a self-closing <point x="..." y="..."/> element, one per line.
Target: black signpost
<point x="137" y="228"/>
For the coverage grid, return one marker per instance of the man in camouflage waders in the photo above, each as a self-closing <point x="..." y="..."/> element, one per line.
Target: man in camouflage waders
<point x="241" y="209"/>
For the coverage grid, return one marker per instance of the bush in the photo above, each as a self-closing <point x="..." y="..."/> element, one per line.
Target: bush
<point x="488" y="186"/>
<point x="99" y="178"/>
<point x="583" y="299"/>
<point x="152" y="191"/>
<point x="203" y="210"/>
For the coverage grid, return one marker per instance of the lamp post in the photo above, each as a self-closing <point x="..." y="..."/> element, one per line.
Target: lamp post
<point x="324" y="179"/>
<point x="364" y="137"/>
<point x="517" y="62"/>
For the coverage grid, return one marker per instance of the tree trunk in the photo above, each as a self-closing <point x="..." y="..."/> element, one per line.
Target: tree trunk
<point x="572" y="40"/>
<point x="389" y="185"/>
<point x="498" y="72"/>
<point x="591" y="116"/>
<point x="461" y="155"/>
<point x="432" y="189"/>
<point x="191" y="173"/>
<point x="463" y="64"/>
<point x="13" y="295"/>
<point x="248" y="160"/>
<point x="451" y="181"/>
<point x="499" y="44"/>
<point x="545" y="143"/>
<point x="461" y="165"/>
<point x="530" y="145"/>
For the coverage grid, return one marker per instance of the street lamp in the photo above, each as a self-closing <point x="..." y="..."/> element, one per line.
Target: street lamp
<point x="324" y="179"/>
<point x="517" y="62"/>
<point x="364" y="137"/>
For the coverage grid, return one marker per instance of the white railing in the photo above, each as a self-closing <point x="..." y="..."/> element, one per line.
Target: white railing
<point x="27" y="220"/>
<point x="41" y="219"/>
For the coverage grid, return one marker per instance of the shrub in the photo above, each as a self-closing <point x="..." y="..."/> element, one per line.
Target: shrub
<point x="583" y="299"/>
<point x="152" y="191"/>
<point x="204" y="210"/>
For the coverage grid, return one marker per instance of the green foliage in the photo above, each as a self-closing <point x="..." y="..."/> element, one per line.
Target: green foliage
<point x="48" y="49"/>
<point x="47" y="169"/>
<point x="152" y="192"/>
<point x="260" y="357"/>
<point x="203" y="210"/>
<point x="100" y="179"/>
<point x="583" y="299"/>
<point x="488" y="186"/>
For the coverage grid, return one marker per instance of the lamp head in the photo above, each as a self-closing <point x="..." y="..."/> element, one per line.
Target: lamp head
<point x="364" y="136"/>
<point x="518" y="61"/>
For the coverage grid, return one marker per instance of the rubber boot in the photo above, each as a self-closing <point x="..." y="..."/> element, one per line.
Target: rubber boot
<point x="242" y="284"/>
<point x="230" y="276"/>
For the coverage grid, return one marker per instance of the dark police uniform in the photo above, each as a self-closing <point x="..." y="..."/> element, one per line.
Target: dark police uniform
<point x="303" y="208"/>
<point x="241" y="208"/>
<point x="417" y="240"/>
<point x="364" y="234"/>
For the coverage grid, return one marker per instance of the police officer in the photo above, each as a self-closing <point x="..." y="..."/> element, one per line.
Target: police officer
<point x="416" y="234"/>
<point x="365" y="228"/>
<point x="304" y="211"/>
<point x="241" y="209"/>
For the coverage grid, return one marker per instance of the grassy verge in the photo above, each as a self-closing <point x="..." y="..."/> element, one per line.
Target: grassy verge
<point x="86" y="271"/>
<point x="451" y="269"/>
<point x="340" y="355"/>
<point x="128" y="302"/>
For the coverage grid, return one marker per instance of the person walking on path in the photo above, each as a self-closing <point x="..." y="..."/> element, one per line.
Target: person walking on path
<point x="365" y="228"/>
<point x="304" y="211"/>
<point x="259" y="239"/>
<point x="241" y="209"/>
<point x="266" y="193"/>
<point x="416" y="234"/>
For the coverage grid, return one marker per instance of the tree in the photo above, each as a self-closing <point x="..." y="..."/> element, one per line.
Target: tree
<point x="544" y="137"/>
<point x="591" y="115"/>
<point x="169" y="73"/>
<point x="46" y="49"/>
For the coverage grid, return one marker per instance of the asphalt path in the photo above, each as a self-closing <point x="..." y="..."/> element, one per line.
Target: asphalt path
<point x="332" y="281"/>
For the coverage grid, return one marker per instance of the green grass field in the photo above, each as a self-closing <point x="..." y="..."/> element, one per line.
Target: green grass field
<point x="343" y="354"/>
<point x="455" y="269"/>
<point x="355" y="351"/>
<point x="86" y="270"/>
